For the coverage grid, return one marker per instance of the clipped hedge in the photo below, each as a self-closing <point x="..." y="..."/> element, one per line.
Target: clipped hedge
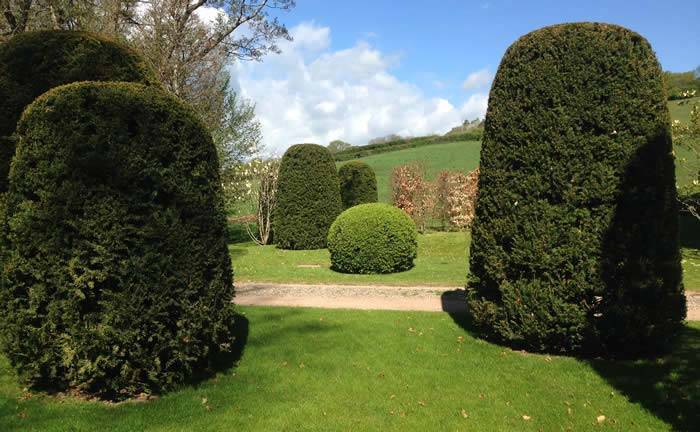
<point x="32" y="63"/>
<point x="575" y="242"/>
<point x="358" y="184"/>
<point x="308" y="197"/>
<point x="372" y="238"/>
<point x="116" y="278"/>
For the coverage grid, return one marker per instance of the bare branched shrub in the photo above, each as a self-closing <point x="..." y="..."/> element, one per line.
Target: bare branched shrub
<point x="412" y="193"/>
<point x="265" y="174"/>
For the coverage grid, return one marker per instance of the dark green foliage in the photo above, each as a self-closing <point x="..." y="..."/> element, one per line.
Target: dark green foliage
<point x="372" y="238"/>
<point x="33" y="63"/>
<point x="116" y="278"/>
<point x="358" y="184"/>
<point x="308" y="197"/>
<point x="575" y="243"/>
<point x="357" y="152"/>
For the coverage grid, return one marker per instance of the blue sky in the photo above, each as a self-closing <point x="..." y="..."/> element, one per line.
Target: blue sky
<point x="421" y="67"/>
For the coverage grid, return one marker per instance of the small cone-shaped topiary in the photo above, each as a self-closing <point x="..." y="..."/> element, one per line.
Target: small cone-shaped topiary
<point x="373" y="238"/>
<point x="308" y="197"/>
<point x="35" y="62"/>
<point x="358" y="184"/>
<point x="575" y="243"/>
<point x="116" y="277"/>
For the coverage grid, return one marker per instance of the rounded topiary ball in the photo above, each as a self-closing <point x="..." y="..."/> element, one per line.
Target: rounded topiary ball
<point x="35" y="62"/>
<point x="358" y="184"/>
<point x="308" y="197"/>
<point x="116" y="274"/>
<point x="575" y="242"/>
<point x="372" y="238"/>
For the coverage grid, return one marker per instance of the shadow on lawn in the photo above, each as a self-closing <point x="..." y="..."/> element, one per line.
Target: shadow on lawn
<point x="669" y="386"/>
<point x="454" y="302"/>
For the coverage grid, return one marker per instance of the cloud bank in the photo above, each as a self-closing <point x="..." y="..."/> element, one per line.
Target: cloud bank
<point x="310" y="93"/>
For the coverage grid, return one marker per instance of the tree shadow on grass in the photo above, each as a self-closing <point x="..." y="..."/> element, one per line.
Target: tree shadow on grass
<point x="454" y="302"/>
<point x="668" y="386"/>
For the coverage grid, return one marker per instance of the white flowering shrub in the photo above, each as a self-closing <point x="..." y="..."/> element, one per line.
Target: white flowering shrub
<point x="686" y="137"/>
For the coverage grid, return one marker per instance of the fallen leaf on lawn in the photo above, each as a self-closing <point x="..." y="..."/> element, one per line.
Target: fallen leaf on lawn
<point x="392" y="396"/>
<point x="548" y="359"/>
<point x="205" y="401"/>
<point x="411" y="329"/>
<point x="421" y="403"/>
<point x="460" y="339"/>
<point x="284" y="364"/>
<point x="526" y="417"/>
<point x="464" y="413"/>
<point x="600" y="418"/>
<point x="569" y="411"/>
<point x="301" y="365"/>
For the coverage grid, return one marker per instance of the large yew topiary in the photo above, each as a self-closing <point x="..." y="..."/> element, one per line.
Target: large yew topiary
<point x="358" y="184"/>
<point x="116" y="278"/>
<point x="575" y="244"/>
<point x="373" y="238"/>
<point x="308" y="197"/>
<point x="33" y="63"/>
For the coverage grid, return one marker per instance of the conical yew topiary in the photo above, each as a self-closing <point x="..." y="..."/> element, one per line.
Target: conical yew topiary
<point x="575" y="243"/>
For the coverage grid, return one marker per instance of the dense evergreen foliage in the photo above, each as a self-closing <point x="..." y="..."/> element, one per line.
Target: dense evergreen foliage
<point x="32" y="63"/>
<point x="116" y="275"/>
<point x="358" y="184"/>
<point x="372" y="238"/>
<point x="308" y="197"/>
<point x="575" y="243"/>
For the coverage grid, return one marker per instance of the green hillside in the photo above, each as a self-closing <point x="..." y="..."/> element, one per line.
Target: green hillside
<point x="680" y="109"/>
<point x="453" y="156"/>
<point x="464" y="156"/>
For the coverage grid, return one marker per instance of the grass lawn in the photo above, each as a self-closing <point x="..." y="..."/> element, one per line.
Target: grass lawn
<point x="681" y="111"/>
<point x="315" y="369"/>
<point x="442" y="260"/>
<point x="454" y="156"/>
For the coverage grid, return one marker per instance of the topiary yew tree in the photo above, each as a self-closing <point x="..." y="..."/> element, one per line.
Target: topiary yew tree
<point x="358" y="184"/>
<point x="116" y="278"/>
<point x="575" y="244"/>
<point x="373" y="238"/>
<point x="308" y="197"/>
<point x="33" y="63"/>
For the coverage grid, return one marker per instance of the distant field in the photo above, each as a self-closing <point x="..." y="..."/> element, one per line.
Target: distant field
<point x="680" y="111"/>
<point x="454" y="156"/>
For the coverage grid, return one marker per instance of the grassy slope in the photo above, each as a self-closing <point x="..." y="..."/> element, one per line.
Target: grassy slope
<point x="315" y="369"/>
<point x="442" y="261"/>
<point x="685" y="173"/>
<point x="456" y="156"/>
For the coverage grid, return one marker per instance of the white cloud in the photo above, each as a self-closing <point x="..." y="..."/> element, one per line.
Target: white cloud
<point x="311" y="94"/>
<point x="209" y="14"/>
<point x="478" y="79"/>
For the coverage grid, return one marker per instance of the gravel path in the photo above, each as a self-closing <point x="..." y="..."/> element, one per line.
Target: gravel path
<point x="420" y="298"/>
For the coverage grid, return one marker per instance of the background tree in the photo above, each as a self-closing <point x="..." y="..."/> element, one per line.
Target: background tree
<point x="338" y="145"/>
<point x="190" y="56"/>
